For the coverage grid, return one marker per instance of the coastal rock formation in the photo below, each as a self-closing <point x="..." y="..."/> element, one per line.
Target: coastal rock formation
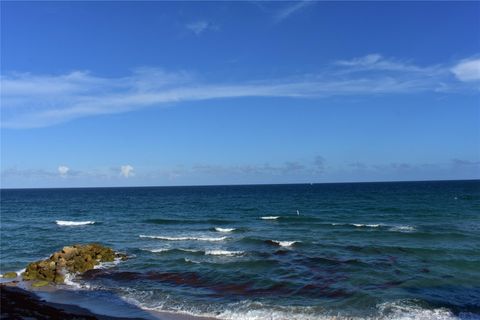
<point x="73" y="259"/>
<point x="9" y="275"/>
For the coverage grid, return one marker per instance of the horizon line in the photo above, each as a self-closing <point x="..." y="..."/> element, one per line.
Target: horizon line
<point x="240" y="184"/>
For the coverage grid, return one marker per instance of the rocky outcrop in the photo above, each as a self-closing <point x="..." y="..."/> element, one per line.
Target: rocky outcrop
<point x="73" y="259"/>
<point x="9" y="275"/>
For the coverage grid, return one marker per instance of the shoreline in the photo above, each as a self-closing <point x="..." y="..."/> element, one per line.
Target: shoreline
<point x="19" y="300"/>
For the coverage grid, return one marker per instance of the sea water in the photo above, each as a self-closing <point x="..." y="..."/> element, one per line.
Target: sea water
<point x="403" y="250"/>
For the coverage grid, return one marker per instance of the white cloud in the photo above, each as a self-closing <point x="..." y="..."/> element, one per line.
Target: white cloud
<point x="127" y="171"/>
<point x="30" y="101"/>
<point x="467" y="70"/>
<point x="63" y="170"/>
<point x="376" y="62"/>
<point x="199" y="27"/>
<point x="291" y="9"/>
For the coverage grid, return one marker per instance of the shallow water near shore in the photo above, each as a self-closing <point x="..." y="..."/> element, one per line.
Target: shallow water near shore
<point x="407" y="250"/>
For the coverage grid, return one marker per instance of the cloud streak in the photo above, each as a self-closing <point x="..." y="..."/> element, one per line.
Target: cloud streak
<point x="291" y="9"/>
<point x="201" y="26"/>
<point x="31" y="101"/>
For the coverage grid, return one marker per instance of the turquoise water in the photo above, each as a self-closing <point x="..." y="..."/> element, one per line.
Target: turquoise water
<point x="405" y="250"/>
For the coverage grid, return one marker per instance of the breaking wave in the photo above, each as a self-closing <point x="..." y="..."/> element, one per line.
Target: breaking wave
<point x="224" y="229"/>
<point x="283" y="243"/>
<point x="182" y="238"/>
<point x="73" y="223"/>
<point x="223" y="253"/>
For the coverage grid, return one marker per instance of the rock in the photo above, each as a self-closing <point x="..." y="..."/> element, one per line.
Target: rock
<point x="9" y="275"/>
<point x="74" y="259"/>
<point x="41" y="283"/>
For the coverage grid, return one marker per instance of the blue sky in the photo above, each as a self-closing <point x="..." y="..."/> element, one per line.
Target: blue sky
<point x="192" y="93"/>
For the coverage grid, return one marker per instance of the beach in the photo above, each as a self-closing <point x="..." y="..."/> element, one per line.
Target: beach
<point x="20" y="300"/>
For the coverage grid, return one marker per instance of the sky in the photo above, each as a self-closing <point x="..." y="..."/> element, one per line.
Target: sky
<point x="99" y="94"/>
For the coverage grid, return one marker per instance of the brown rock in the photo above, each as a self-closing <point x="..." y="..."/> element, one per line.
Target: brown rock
<point x="76" y="258"/>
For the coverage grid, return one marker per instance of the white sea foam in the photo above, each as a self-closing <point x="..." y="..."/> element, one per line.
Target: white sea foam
<point x="250" y="310"/>
<point x="182" y="238"/>
<point x="109" y="264"/>
<point x="68" y="280"/>
<point x="224" y="229"/>
<point x="160" y="250"/>
<point x="360" y="225"/>
<point x="223" y="253"/>
<point x="73" y="223"/>
<point x="270" y="218"/>
<point x="402" y="229"/>
<point x="406" y="310"/>
<point x="285" y="243"/>
<point x="191" y="261"/>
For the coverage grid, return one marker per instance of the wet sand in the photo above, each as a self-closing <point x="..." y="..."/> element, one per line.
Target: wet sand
<point x="52" y="303"/>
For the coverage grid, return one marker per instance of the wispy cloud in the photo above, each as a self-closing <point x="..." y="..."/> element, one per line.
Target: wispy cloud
<point x="201" y="26"/>
<point x="290" y="9"/>
<point x="307" y="170"/>
<point x="30" y="100"/>
<point x="375" y="61"/>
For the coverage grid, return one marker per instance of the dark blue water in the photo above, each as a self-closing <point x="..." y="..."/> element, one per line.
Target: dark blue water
<point x="407" y="250"/>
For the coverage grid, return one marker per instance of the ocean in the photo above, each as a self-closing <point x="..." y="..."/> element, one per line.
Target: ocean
<point x="398" y="250"/>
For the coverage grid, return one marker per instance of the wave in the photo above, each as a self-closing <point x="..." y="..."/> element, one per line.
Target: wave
<point x="250" y="310"/>
<point x="69" y="281"/>
<point x="223" y="253"/>
<point x="224" y="229"/>
<point x="73" y="223"/>
<point x="283" y="243"/>
<point x="191" y="261"/>
<point x="207" y="252"/>
<point x="358" y="225"/>
<point x="408" y="310"/>
<point x="253" y="310"/>
<point x="160" y="250"/>
<point x="269" y="217"/>
<point x="406" y="229"/>
<point x="182" y="238"/>
<point x="186" y="221"/>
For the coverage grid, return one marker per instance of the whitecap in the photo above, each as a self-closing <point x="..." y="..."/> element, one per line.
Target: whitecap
<point x="157" y="250"/>
<point x="191" y="261"/>
<point x="270" y="218"/>
<point x="406" y="229"/>
<point x="285" y="243"/>
<point x="73" y="223"/>
<point x="359" y="225"/>
<point x="160" y="250"/>
<point x="224" y="229"/>
<point x="182" y="238"/>
<point x="223" y="253"/>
